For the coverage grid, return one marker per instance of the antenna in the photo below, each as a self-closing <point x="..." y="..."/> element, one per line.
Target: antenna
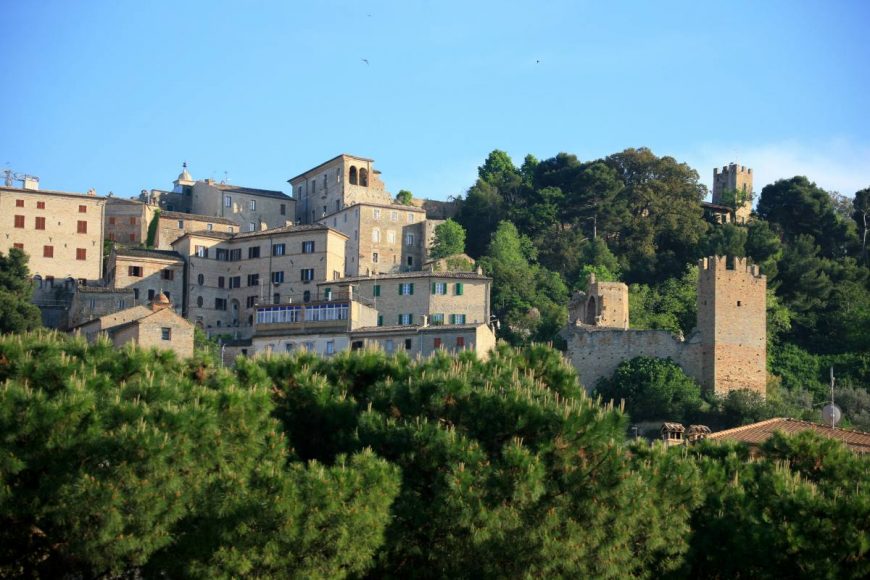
<point x="831" y="412"/>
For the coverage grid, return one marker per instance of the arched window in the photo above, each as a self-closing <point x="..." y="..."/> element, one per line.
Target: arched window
<point x="364" y="177"/>
<point x="376" y="235"/>
<point x="591" y="310"/>
<point x="200" y="278"/>
<point x="306" y="296"/>
<point x="352" y="175"/>
<point x="199" y="301"/>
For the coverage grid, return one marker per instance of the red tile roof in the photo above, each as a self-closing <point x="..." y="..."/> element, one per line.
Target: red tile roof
<point x="758" y="433"/>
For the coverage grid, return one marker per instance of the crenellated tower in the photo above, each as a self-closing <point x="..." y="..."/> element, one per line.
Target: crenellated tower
<point x="732" y="324"/>
<point x="733" y="178"/>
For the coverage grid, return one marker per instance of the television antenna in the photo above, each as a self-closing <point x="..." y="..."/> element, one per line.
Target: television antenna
<point x="831" y="413"/>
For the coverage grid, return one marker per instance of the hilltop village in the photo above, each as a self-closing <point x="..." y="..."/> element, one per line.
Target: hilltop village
<point x="337" y="264"/>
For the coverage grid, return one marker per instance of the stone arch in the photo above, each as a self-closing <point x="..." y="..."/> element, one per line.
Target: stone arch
<point x="364" y="177"/>
<point x="591" y="310"/>
<point x="352" y="175"/>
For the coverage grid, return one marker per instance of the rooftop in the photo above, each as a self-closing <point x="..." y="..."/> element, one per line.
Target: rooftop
<point x="407" y="275"/>
<point x="19" y="190"/>
<point x="149" y="253"/>
<point x="249" y="190"/>
<point x="259" y="233"/>
<point x="176" y="215"/>
<point x="758" y="433"/>
<point x="339" y="156"/>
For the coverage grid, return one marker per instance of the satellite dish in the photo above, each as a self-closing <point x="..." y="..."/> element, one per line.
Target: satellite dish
<point x="831" y="414"/>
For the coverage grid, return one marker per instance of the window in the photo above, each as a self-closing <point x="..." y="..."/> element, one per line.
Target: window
<point x="82" y="227"/>
<point x="48" y="251"/>
<point x="235" y="282"/>
<point x="19" y="221"/>
<point x="376" y="290"/>
<point x="252" y="300"/>
<point x="134" y="271"/>
<point x="199" y="301"/>
<point x="83" y="209"/>
<point x="405" y="319"/>
<point x="167" y="274"/>
<point x="150" y="294"/>
<point x="437" y="342"/>
<point x="283" y="209"/>
<point x="337" y="205"/>
<point x="375" y="257"/>
<point x="408" y="344"/>
<point x="410" y="217"/>
<point x="235" y="255"/>
<point x="40" y="205"/>
<point x="388" y="345"/>
<point x="81" y="254"/>
<point x="391" y="237"/>
<point x="437" y="319"/>
<point x="220" y="303"/>
<point x="394" y="216"/>
<point x="376" y="213"/>
<point x="252" y="227"/>
<point x="253" y="252"/>
<point x="439" y="288"/>
<point x="278" y="249"/>
<point x="409" y="240"/>
<point x="133" y="221"/>
<point x="409" y="260"/>
<point x="457" y="319"/>
<point x="40" y="223"/>
<point x="201" y="251"/>
<point x="135" y="293"/>
<point x="376" y="235"/>
<point x="277" y="277"/>
<point x="738" y="303"/>
<point x="228" y="201"/>
<point x="166" y="333"/>
<point x="380" y="319"/>
<point x="200" y="279"/>
<point x="18" y="246"/>
<point x="19" y="203"/>
<point x="459" y="289"/>
<point x="406" y="289"/>
<point x="231" y="229"/>
<point x="307" y="247"/>
<point x="336" y="274"/>
<point x="132" y="237"/>
<point x="307" y="274"/>
<point x="252" y="205"/>
<point x="209" y="227"/>
<point x="181" y="224"/>
<point x="111" y="221"/>
<point x="253" y="279"/>
<point x="330" y="344"/>
<point x="276" y="298"/>
<point x="221" y="281"/>
<point x="306" y="296"/>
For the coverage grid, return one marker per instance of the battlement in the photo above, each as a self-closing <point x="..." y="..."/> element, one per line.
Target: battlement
<point x="721" y="263"/>
<point x="732" y="168"/>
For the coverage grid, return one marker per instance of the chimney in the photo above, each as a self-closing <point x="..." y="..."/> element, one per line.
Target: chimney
<point x="159" y="302"/>
<point x="31" y="182"/>
<point x="263" y="226"/>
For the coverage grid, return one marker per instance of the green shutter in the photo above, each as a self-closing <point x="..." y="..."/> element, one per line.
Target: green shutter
<point x="433" y="287"/>
<point x="459" y="288"/>
<point x="376" y="291"/>
<point x="380" y="319"/>
<point x="400" y="289"/>
<point x="452" y="319"/>
<point x="412" y="288"/>
<point x="400" y="320"/>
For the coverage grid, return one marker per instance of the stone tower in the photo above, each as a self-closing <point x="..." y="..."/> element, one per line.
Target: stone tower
<point x="606" y="305"/>
<point x="732" y="324"/>
<point x="735" y="178"/>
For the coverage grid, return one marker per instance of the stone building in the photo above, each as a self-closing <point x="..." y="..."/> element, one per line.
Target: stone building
<point x="90" y="302"/>
<point x="157" y="326"/>
<point x="228" y="275"/>
<point x="127" y="221"/>
<point x="62" y="233"/>
<point x="733" y="178"/>
<point x="421" y="298"/>
<point x="727" y="350"/>
<point x="335" y="184"/>
<point x="147" y="273"/>
<point x="171" y="225"/>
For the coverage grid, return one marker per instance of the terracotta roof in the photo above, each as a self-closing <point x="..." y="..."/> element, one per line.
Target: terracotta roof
<point x="716" y="206"/>
<point x="408" y="328"/>
<point x="177" y="215"/>
<point x="758" y="433"/>
<point x="103" y="290"/>
<point x="249" y="190"/>
<point x="149" y="253"/>
<point x="259" y="233"/>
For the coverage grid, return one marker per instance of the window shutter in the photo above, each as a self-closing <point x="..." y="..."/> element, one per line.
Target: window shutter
<point x="380" y="319"/>
<point x="459" y="288"/>
<point x="400" y="319"/>
<point x="412" y="289"/>
<point x="377" y="290"/>
<point x="433" y="287"/>
<point x="400" y="289"/>
<point x="452" y="319"/>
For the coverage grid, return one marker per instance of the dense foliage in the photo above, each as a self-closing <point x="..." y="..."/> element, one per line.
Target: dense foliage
<point x="449" y="240"/>
<point x="542" y="228"/>
<point x="17" y="313"/>
<point x="129" y="462"/>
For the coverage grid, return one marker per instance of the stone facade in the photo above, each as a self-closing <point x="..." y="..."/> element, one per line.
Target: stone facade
<point x="89" y="302"/>
<point x="423" y="298"/>
<point x="605" y="305"/>
<point x="249" y="208"/>
<point x="155" y="327"/>
<point x="335" y="184"/>
<point x="62" y="233"/>
<point x="172" y="225"/>
<point x="127" y="221"/>
<point x="727" y="350"/>
<point x="737" y="178"/>
<point x="147" y="273"/>
<point x="229" y="275"/>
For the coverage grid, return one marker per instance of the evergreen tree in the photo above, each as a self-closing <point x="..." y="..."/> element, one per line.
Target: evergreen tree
<point x="17" y="312"/>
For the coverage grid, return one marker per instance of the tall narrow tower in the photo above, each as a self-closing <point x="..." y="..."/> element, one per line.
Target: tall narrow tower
<point x="732" y="320"/>
<point x="733" y="179"/>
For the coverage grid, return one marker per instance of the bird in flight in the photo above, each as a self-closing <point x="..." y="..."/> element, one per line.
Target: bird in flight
<point x="365" y="60"/>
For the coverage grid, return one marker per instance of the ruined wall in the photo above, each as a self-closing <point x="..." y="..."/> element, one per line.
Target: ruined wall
<point x="596" y="352"/>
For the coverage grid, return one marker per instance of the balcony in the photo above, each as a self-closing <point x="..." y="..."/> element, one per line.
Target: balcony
<point x="314" y="317"/>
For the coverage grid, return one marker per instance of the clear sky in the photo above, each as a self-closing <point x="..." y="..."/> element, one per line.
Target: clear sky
<point x="115" y="95"/>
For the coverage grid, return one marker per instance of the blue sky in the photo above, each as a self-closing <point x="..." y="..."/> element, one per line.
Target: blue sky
<point x="115" y="95"/>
